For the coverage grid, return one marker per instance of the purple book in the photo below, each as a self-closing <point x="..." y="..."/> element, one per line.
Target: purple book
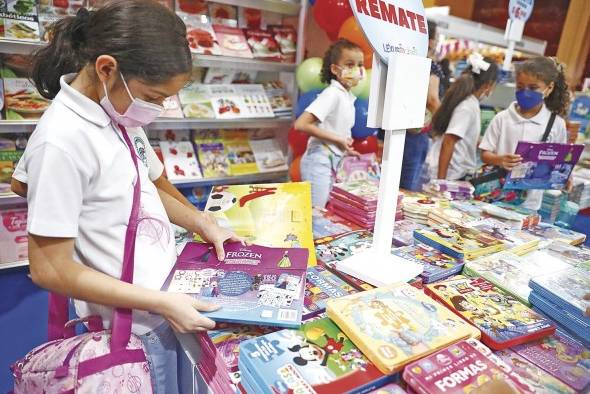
<point x="561" y="356"/>
<point x="253" y="285"/>
<point x="544" y="165"/>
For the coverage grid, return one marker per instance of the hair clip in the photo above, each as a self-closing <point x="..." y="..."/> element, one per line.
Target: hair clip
<point x="477" y="63"/>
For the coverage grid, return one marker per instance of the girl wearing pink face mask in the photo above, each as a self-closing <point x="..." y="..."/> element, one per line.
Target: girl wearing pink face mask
<point x="108" y="72"/>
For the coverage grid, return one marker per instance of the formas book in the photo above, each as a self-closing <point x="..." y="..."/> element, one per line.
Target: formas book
<point x="275" y="214"/>
<point x="322" y="285"/>
<point x="544" y="165"/>
<point x="503" y="320"/>
<point x="395" y="325"/>
<point x="317" y="358"/>
<point x="253" y="285"/>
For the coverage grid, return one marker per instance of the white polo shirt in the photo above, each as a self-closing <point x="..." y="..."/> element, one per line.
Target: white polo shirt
<point x="80" y="180"/>
<point x="334" y="108"/>
<point x="508" y="127"/>
<point x="465" y="123"/>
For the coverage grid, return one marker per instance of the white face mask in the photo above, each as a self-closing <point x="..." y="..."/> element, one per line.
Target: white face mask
<point x="139" y="113"/>
<point x="351" y="75"/>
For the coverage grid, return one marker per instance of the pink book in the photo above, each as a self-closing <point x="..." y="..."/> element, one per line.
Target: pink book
<point x="366" y="191"/>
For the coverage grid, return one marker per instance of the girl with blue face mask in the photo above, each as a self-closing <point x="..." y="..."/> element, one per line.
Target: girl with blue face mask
<point x="541" y="90"/>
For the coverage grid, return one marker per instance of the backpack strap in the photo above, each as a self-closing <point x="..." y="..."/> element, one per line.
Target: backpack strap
<point x="549" y="127"/>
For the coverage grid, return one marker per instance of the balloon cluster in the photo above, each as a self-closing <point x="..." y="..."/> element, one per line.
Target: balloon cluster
<point x="336" y="19"/>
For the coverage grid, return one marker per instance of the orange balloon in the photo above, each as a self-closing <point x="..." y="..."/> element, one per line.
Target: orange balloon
<point x="295" y="170"/>
<point x="351" y="31"/>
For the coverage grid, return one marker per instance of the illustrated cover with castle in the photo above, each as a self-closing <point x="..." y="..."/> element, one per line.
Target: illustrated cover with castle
<point x="322" y="285"/>
<point x="317" y="358"/>
<point x="459" y="242"/>
<point x="397" y="324"/>
<point x="276" y="214"/>
<point x="437" y="265"/>
<point x="502" y="319"/>
<point x="253" y="285"/>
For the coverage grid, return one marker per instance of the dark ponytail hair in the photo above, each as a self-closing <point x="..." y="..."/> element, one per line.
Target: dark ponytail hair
<point x="549" y="70"/>
<point x="332" y="56"/>
<point x="147" y="39"/>
<point x="467" y="84"/>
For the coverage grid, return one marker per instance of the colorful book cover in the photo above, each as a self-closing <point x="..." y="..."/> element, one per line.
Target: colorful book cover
<point x="232" y="41"/>
<point x="216" y="76"/>
<point x="531" y="217"/>
<point x="336" y="248"/>
<point x="580" y="111"/>
<point x="14" y="238"/>
<point x="458" y="369"/>
<point x="22" y="100"/>
<point x="180" y="161"/>
<point x="196" y="101"/>
<point x="20" y="20"/>
<point x="192" y="7"/>
<point x="253" y="285"/>
<point x="550" y="232"/>
<point x="12" y="147"/>
<point x="503" y="321"/>
<point x="213" y="159"/>
<point x="562" y="357"/>
<point x="280" y="100"/>
<point x="403" y="232"/>
<point x="255" y="100"/>
<point x="544" y="165"/>
<point x="275" y="214"/>
<point x="201" y="37"/>
<point x="437" y="265"/>
<point x="240" y="156"/>
<point x="447" y="216"/>
<point x="365" y="191"/>
<point x="573" y="255"/>
<point x="223" y="14"/>
<point x="397" y="324"/>
<point x="533" y="379"/>
<point x="459" y="242"/>
<point x="358" y="168"/>
<point x="326" y="224"/>
<point x="269" y="155"/>
<point x="322" y="285"/>
<point x="443" y="185"/>
<point x="317" y="358"/>
<point x="516" y="241"/>
<point x="263" y="45"/>
<point x="286" y="37"/>
<point x="566" y="288"/>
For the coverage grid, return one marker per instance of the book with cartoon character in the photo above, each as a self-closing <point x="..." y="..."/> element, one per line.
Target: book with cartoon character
<point x="562" y="357"/>
<point x="253" y="285"/>
<point x="316" y="358"/>
<point x="459" y="242"/>
<point x="458" y="369"/>
<point x="551" y="233"/>
<point x="322" y="285"/>
<point x="576" y="256"/>
<point x="437" y="265"/>
<point x="397" y="324"/>
<point x="544" y="165"/>
<point x="275" y="214"/>
<point x="502" y="319"/>
<point x="332" y="249"/>
<point x="517" y="241"/>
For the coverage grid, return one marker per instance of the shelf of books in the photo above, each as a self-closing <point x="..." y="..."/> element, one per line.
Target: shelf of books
<point x="16" y="264"/>
<point x="20" y="47"/>
<point x="285" y="7"/>
<point x="242" y="63"/>
<point x="233" y="180"/>
<point x="11" y="199"/>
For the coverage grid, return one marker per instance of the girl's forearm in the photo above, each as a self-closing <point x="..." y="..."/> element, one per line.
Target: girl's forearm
<point x="180" y="214"/>
<point x="491" y="158"/>
<point x="446" y="154"/>
<point x="163" y="184"/>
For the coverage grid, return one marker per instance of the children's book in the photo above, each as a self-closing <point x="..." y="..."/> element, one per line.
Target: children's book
<point x="458" y="369"/>
<point x="12" y="147"/>
<point x="275" y="214"/>
<point x="232" y="41"/>
<point x="326" y="224"/>
<point x="403" y="232"/>
<point x="240" y="156"/>
<point x="443" y="185"/>
<point x="447" y="216"/>
<point x="397" y="324"/>
<point x="20" y="20"/>
<point x="196" y="101"/>
<point x="437" y="265"/>
<point x="253" y="285"/>
<point x="213" y="159"/>
<point x="322" y="285"/>
<point x="286" y="37"/>
<point x="364" y="192"/>
<point x="459" y="242"/>
<point x="263" y="44"/>
<point x="580" y="112"/>
<point x="544" y="165"/>
<point x="503" y="320"/>
<point x="316" y="358"/>
<point x="269" y="155"/>
<point x="576" y="256"/>
<point x="562" y="357"/>
<point x="201" y="38"/>
<point x="180" y="161"/>
<point x="335" y="248"/>
<point x="551" y="233"/>
<point x="517" y="241"/>
<point x="353" y="168"/>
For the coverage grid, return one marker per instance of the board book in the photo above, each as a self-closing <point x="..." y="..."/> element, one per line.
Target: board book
<point x="335" y="248"/>
<point x="552" y="233"/>
<point x="320" y="286"/>
<point x="437" y="265"/>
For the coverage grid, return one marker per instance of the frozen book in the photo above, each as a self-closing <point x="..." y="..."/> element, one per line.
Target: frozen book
<point x="397" y="324"/>
<point x="253" y="285"/>
<point x="437" y="265"/>
<point x="232" y="41"/>
<point x="322" y="285"/>
<point x="555" y="233"/>
<point x="316" y="358"/>
<point x="544" y="165"/>
<point x="275" y="214"/>
<point x="180" y="161"/>
<point x="269" y="155"/>
<point x="562" y="357"/>
<point x="459" y="242"/>
<point x="502" y="319"/>
<point x="458" y="369"/>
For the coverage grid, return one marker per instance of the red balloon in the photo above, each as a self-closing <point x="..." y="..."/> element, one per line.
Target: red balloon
<point x="331" y="14"/>
<point x="295" y="170"/>
<point x="297" y="141"/>
<point x="366" y="145"/>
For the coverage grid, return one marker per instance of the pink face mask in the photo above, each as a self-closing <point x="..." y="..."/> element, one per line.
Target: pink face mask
<point x="139" y="113"/>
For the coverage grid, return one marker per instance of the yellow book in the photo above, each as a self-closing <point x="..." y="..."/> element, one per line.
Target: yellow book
<point x="397" y="324"/>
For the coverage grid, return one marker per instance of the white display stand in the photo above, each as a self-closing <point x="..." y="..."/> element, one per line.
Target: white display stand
<point x="397" y="102"/>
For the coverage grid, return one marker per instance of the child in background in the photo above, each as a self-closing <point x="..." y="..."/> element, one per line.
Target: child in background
<point x="456" y="125"/>
<point x="330" y="118"/>
<point x="541" y="90"/>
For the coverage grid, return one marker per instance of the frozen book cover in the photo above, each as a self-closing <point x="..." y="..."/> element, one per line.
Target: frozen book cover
<point x="274" y="214"/>
<point x="566" y="288"/>
<point x="320" y="286"/>
<point x="458" y="369"/>
<point x="555" y="233"/>
<point x="332" y="249"/>
<point x="562" y="357"/>
<point x="544" y="165"/>
<point x="253" y="285"/>
<point x="460" y="242"/>
<point x="316" y="358"/>
<point x="502" y="319"/>
<point x="437" y="265"/>
<point x="397" y="324"/>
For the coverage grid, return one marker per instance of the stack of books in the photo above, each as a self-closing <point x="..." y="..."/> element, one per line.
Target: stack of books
<point x="549" y="233"/>
<point x="516" y="241"/>
<point x="551" y="205"/>
<point x="321" y="286"/>
<point x="515" y="216"/>
<point x="417" y="208"/>
<point x="580" y="193"/>
<point x="403" y="232"/>
<point x="437" y="265"/>
<point x="450" y="190"/>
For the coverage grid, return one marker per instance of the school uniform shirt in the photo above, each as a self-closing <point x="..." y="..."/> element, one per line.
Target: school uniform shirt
<point x="334" y="108"/>
<point x="465" y="123"/>
<point x="80" y="179"/>
<point x="508" y="127"/>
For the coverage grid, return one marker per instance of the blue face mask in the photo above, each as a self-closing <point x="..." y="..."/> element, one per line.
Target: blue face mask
<point x="527" y="98"/>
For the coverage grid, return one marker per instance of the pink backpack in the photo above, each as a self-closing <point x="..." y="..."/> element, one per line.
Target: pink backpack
<point x="100" y="361"/>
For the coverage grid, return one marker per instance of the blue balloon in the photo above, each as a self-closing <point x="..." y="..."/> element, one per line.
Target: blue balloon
<point x="311" y="2"/>
<point x="361" y="111"/>
<point x="305" y="100"/>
